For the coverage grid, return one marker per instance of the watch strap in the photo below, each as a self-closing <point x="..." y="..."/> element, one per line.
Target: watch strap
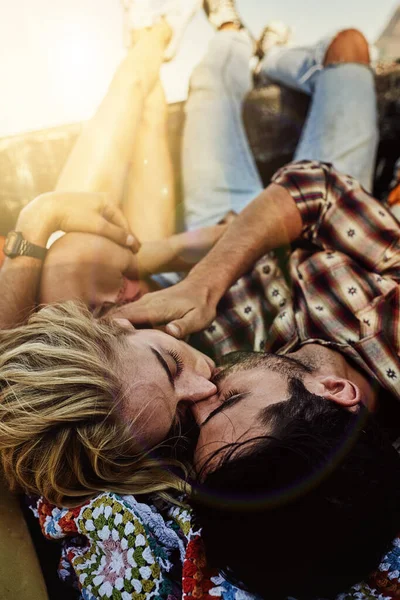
<point x="28" y="249"/>
<point x="16" y="245"/>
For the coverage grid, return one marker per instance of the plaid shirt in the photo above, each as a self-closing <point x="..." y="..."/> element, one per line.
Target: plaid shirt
<point x="344" y="281"/>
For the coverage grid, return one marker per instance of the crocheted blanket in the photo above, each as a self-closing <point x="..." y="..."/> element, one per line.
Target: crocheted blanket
<point x="115" y="547"/>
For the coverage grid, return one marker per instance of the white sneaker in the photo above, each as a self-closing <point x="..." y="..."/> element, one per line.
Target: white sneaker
<point x="275" y="33"/>
<point x="220" y="12"/>
<point x="141" y="14"/>
<point x="178" y="17"/>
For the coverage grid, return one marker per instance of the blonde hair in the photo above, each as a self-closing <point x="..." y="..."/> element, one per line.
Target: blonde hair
<point x="61" y="434"/>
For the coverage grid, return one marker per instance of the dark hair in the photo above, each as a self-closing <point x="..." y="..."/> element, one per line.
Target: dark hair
<point x="306" y="511"/>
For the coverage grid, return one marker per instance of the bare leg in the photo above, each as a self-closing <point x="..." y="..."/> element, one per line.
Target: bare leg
<point x="101" y="156"/>
<point x="100" y="161"/>
<point x="149" y="203"/>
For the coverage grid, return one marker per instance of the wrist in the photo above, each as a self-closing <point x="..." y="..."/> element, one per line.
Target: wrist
<point x="36" y="221"/>
<point x="210" y="283"/>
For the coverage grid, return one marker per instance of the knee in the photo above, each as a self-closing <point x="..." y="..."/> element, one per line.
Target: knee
<point x="349" y="46"/>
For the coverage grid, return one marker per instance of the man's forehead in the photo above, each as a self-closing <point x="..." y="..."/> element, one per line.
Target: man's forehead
<point x="239" y="362"/>
<point x="257" y="379"/>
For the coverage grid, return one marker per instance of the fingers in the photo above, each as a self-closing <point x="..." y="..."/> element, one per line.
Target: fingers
<point x="91" y="212"/>
<point x="181" y="328"/>
<point x="138" y="313"/>
<point x="153" y="309"/>
<point x="101" y="226"/>
<point x="131" y="270"/>
<point x="174" y="329"/>
<point x="114" y="215"/>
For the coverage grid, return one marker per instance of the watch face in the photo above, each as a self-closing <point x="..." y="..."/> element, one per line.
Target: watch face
<point x="12" y="244"/>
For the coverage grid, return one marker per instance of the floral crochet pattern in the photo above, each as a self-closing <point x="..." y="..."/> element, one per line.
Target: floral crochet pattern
<point x="117" y="548"/>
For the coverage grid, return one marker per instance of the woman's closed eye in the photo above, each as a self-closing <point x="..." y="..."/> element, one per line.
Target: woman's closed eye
<point x="178" y="362"/>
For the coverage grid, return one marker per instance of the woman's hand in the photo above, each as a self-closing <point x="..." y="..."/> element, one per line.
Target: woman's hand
<point x="86" y="267"/>
<point x="77" y="212"/>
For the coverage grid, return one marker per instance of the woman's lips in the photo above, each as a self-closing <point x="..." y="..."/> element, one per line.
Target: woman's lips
<point x="216" y="370"/>
<point x="215" y="374"/>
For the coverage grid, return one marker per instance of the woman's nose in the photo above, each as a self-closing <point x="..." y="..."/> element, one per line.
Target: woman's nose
<point x="196" y="388"/>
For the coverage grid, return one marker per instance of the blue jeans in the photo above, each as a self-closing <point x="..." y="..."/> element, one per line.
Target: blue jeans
<point x="219" y="170"/>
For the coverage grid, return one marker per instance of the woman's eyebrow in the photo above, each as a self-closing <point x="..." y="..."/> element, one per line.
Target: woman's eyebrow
<point x="228" y="404"/>
<point x="164" y="365"/>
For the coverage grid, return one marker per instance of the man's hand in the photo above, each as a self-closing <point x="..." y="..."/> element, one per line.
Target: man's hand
<point x="77" y="212"/>
<point x="270" y="221"/>
<point x="183" y="309"/>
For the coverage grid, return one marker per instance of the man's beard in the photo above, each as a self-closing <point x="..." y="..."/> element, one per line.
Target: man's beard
<point x="182" y="437"/>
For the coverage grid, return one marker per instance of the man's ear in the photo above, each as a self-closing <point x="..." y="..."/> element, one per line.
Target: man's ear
<point x="341" y="391"/>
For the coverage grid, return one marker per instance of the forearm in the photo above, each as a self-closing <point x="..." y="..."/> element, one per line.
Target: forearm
<point x="93" y="213"/>
<point x="179" y="253"/>
<point x="19" y="279"/>
<point x="270" y="221"/>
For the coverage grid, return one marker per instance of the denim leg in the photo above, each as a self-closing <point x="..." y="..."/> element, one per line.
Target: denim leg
<point x="297" y="68"/>
<point x="219" y="171"/>
<point x="341" y="127"/>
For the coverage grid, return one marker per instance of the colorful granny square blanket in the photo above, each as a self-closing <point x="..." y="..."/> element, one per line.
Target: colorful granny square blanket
<point x="117" y="548"/>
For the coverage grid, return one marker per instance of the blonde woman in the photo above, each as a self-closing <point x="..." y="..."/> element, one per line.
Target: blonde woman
<point x="93" y="432"/>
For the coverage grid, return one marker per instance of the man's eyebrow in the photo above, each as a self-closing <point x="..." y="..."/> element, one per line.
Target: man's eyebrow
<point x="164" y="365"/>
<point x="228" y="404"/>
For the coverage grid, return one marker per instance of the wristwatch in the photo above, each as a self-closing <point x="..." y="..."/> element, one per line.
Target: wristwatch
<point x="15" y="245"/>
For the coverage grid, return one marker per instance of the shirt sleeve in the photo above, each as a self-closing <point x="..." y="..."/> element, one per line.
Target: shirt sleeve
<point x="339" y="215"/>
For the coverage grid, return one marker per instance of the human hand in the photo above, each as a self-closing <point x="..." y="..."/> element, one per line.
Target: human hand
<point x="77" y="212"/>
<point x="183" y="309"/>
<point x="86" y="267"/>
